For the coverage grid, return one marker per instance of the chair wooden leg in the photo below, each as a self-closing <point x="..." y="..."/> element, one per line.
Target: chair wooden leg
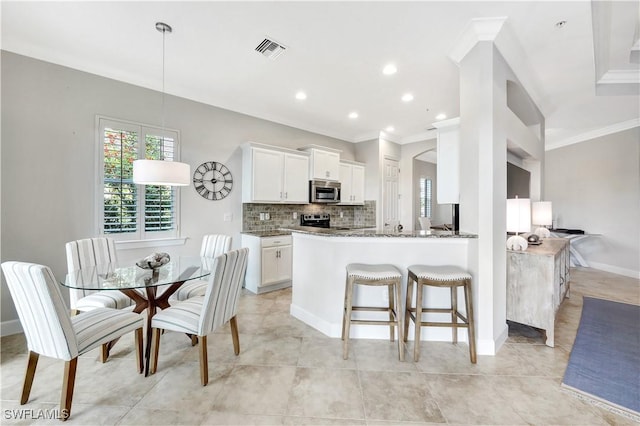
<point x="346" y="322"/>
<point x="399" y="320"/>
<point x="344" y="307"/>
<point x="454" y="314"/>
<point x="155" y="345"/>
<point x="104" y="352"/>
<point x="139" y="357"/>
<point x="391" y="308"/>
<point x="68" y="382"/>
<point x="234" y="335"/>
<point x="28" y="378"/>
<point x="417" y="322"/>
<point x="204" y="362"/>
<point x="407" y="308"/>
<point x="470" y="322"/>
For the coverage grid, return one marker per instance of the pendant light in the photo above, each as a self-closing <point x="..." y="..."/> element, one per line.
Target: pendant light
<point x="161" y="172"/>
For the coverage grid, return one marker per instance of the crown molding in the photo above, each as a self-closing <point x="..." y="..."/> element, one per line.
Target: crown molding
<point x="582" y="137"/>
<point x="498" y="31"/>
<point x="620" y="77"/>
<point x="447" y="123"/>
<point x="429" y="134"/>
<point x="478" y="29"/>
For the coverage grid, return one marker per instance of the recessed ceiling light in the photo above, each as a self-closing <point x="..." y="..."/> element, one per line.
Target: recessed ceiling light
<point x="390" y="129"/>
<point x="407" y="97"/>
<point x="389" y="69"/>
<point x="353" y="115"/>
<point x="441" y="116"/>
<point x="301" y="95"/>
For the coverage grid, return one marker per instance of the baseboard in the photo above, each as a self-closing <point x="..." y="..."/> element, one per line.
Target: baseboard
<point x="615" y="270"/>
<point x="321" y="325"/>
<point x="7" y="328"/>
<point x="492" y="346"/>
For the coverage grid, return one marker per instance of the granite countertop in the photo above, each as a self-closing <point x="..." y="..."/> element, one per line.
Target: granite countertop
<point x="368" y="232"/>
<point x="269" y="233"/>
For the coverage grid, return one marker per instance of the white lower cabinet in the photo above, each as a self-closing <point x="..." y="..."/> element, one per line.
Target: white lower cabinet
<point x="269" y="267"/>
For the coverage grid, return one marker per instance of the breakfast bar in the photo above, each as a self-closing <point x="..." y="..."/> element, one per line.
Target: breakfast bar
<point x="319" y="268"/>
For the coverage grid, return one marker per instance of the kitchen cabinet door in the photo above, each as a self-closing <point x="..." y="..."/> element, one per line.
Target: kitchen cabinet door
<point x="285" y="267"/>
<point x="296" y="181"/>
<point x="345" y="183"/>
<point x="267" y="171"/>
<point x="276" y="264"/>
<point x="357" y="184"/>
<point x="325" y="165"/>
<point x="351" y="184"/>
<point x="269" y="265"/>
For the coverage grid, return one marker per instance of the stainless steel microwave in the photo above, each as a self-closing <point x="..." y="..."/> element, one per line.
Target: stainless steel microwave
<point x="324" y="191"/>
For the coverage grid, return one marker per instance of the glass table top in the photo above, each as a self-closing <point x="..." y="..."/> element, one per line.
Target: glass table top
<point x="122" y="276"/>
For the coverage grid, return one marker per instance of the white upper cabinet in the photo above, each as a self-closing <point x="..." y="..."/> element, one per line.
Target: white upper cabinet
<point x="351" y="183"/>
<point x="325" y="162"/>
<point x="274" y="175"/>
<point x="295" y="182"/>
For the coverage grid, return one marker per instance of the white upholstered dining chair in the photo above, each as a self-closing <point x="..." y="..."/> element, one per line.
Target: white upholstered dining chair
<point x="212" y="245"/>
<point x="50" y="331"/>
<point x="90" y="252"/>
<point x="202" y="315"/>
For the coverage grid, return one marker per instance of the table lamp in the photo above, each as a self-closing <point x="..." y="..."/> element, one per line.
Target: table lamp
<point x="518" y="220"/>
<point x="541" y="215"/>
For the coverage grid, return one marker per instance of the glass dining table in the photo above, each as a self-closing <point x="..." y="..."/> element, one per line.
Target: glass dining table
<point x="150" y="289"/>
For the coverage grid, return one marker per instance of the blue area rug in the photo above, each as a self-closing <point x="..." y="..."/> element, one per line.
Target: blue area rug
<point x="604" y="365"/>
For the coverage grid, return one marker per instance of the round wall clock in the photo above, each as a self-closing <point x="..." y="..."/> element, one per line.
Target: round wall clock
<point x="212" y="180"/>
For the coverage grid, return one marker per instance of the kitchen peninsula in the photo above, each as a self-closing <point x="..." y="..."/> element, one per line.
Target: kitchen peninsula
<point x="320" y="257"/>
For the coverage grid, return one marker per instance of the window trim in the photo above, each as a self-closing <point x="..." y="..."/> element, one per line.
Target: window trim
<point x="140" y="238"/>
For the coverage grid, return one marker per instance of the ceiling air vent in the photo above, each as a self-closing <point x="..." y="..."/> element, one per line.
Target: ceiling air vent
<point x="270" y="48"/>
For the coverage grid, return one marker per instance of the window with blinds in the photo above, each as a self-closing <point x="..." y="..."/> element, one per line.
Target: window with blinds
<point x="425" y="197"/>
<point x="130" y="211"/>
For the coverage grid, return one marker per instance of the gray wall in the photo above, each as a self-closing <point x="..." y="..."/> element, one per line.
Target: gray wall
<point x="49" y="158"/>
<point x="595" y="186"/>
<point x="440" y="213"/>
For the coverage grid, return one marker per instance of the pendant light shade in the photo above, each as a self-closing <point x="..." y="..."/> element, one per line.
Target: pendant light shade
<point x="161" y="172"/>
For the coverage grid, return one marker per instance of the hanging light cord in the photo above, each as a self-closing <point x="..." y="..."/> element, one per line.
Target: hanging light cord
<point x="161" y="26"/>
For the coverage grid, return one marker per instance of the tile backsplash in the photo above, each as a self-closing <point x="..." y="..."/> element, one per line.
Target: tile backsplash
<point x="281" y="215"/>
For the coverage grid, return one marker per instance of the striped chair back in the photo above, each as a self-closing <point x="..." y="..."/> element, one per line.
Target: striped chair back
<point x="214" y="245"/>
<point x="85" y="253"/>
<point x="41" y="309"/>
<point x="223" y="290"/>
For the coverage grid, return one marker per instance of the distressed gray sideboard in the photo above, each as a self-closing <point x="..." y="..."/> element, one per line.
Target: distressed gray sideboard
<point x="537" y="283"/>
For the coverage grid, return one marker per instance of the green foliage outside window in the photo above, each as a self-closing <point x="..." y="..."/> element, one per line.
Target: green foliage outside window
<point x="120" y="149"/>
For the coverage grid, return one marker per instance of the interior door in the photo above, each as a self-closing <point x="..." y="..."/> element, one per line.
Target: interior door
<point x="391" y="194"/>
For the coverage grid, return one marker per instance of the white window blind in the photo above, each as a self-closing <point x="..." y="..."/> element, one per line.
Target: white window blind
<point x="129" y="211"/>
<point x="425" y="197"/>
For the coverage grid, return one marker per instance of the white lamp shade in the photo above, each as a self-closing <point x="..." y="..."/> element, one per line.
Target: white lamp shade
<point x="519" y="215"/>
<point x="161" y="172"/>
<point x="541" y="213"/>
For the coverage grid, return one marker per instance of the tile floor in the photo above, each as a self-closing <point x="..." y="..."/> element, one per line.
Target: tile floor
<point x="289" y="374"/>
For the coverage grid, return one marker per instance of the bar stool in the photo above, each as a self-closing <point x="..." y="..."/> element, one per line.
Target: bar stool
<point x="373" y="275"/>
<point x="439" y="276"/>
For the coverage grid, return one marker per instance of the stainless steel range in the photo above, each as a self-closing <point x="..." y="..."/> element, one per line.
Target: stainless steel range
<point x="320" y="220"/>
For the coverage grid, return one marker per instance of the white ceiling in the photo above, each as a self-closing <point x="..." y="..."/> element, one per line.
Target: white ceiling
<point x="335" y="53"/>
